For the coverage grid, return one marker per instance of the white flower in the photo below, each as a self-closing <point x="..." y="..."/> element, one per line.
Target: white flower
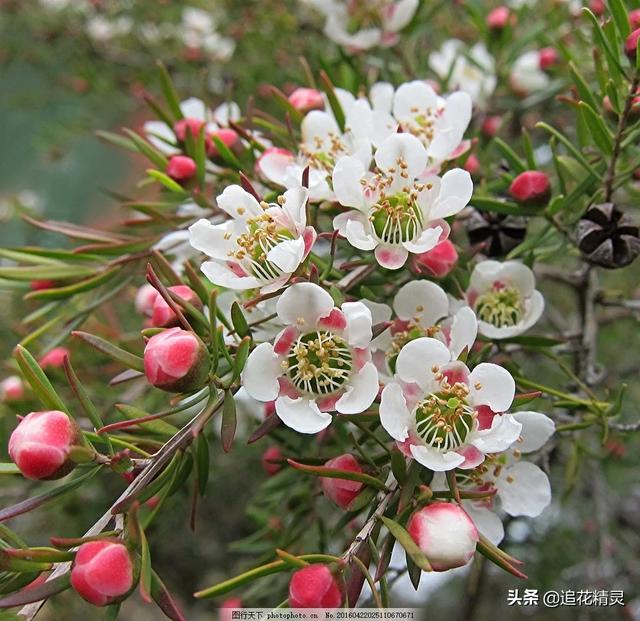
<point x="262" y="244"/>
<point x="504" y="298"/>
<point x="526" y="74"/>
<point x="431" y="409"/>
<point x="102" y="29"/>
<point x="395" y="212"/>
<point x="198" y="31"/>
<point x="319" y="363"/>
<point x="438" y="122"/>
<point x="422" y="308"/>
<point x="322" y="145"/>
<point x="363" y="24"/>
<point x="472" y="70"/>
<point x="521" y="487"/>
<point x="195" y="112"/>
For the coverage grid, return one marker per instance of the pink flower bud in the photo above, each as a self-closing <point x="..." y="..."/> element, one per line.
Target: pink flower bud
<point x="634" y="19"/>
<point x="341" y="491"/>
<point x="180" y="128"/>
<point x="55" y="358"/>
<point x="11" y="388"/>
<point x="445" y="533"/>
<point x="597" y="7"/>
<point x="631" y="44"/>
<point x="162" y="316"/>
<point x="176" y="360"/>
<point x="547" y="57"/>
<point x="314" y="586"/>
<point x="38" y="285"/>
<point x="181" y="168"/>
<point x="500" y="18"/>
<point x="228" y="137"/>
<point x="438" y="261"/>
<point x="226" y="605"/>
<point x="41" y="442"/>
<point x="103" y="572"/>
<point x="269" y="457"/>
<point x="306" y="99"/>
<point x="472" y="165"/>
<point x="145" y="297"/>
<point x="491" y="125"/>
<point x="532" y="188"/>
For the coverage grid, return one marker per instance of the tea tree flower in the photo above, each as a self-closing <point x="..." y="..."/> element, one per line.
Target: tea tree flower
<point x="322" y="145"/>
<point x="363" y="24"/>
<point x="504" y="298"/>
<point x="522" y="488"/>
<point x="314" y="586"/>
<point x="431" y="408"/>
<point x="262" y="244"/>
<point x="472" y="70"/>
<point x="396" y="213"/>
<point x="415" y="108"/>
<point x="319" y="363"/>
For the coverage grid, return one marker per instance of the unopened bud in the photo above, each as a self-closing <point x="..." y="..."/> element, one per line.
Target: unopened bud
<point x="342" y="491"/>
<point x="531" y="188"/>
<point x="547" y="57"/>
<point x="314" y="586"/>
<point x="438" y="261"/>
<point x="271" y="459"/>
<point x="500" y="18"/>
<point x="181" y="168"/>
<point x="55" y="358"/>
<point x="162" y="316"/>
<point x="630" y="45"/>
<point x="306" y="99"/>
<point x="11" y="388"/>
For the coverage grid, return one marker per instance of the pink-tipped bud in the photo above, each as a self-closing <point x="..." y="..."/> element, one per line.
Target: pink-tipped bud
<point x="181" y="168"/>
<point x="597" y="7"/>
<point x="438" y="261"/>
<point x="532" y="188"/>
<point x="630" y="45"/>
<point x="500" y="18"/>
<point x="342" y="491"/>
<point x="445" y="533"/>
<point x="11" y="388"/>
<point x="270" y="460"/>
<point x="634" y="19"/>
<point x="176" y="360"/>
<point x="162" y="316"/>
<point x="472" y="165"/>
<point x="103" y="572"/>
<point x="314" y="586"/>
<point x="547" y="57"/>
<point x="145" y="298"/>
<point x="38" y="285"/>
<point x="306" y="99"/>
<point x="41" y="443"/>
<point x="491" y="125"/>
<point x="228" y="137"/>
<point x="227" y="606"/>
<point x="55" y="358"/>
<point x="181" y="127"/>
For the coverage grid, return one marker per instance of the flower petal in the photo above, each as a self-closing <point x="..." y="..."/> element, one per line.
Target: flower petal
<point x="303" y="304"/>
<point x="524" y="489"/>
<point x="273" y="164"/>
<point x="416" y="359"/>
<point x="435" y="460"/>
<point x="238" y="203"/>
<point x="220" y="274"/>
<point x="537" y="428"/>
<point x="212" y="239"/>
<point x="361" y="392"/>
<point x="395" y="416"/>
<point x="287" y="255"/>
<point x="428" y="239"/>
<point x="295" y="202"/>
<point x="486" y="521"/>
<point x="357" y="234"/>
<point x="464" y="329"/>
<point x="422" y="300"/>
<point x="346" y="182"/>
<point x="492" y="385"/>
<point x="261" y="373"/>
<point x="402" y="147"/>
<point x="504" y="431"/>
<point x="359" y="324"/>
<point x="456" y="190"/>
<point x="302" y="415"/>
<point x="391" y="257"/>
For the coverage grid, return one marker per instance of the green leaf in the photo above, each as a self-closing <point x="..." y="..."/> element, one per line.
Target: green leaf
<point x="38" y="381"/>
<point x="88" y="284"/>
<point x="111" y="612"/>
<point x="45" y="272"/>
<point x="238" y="320"/>
<point x="497" y="556"/>
<point x="227" y="154"/>
<point x="486" y="203"/>
<point x="406" y="541"/>
<point x="167" y="182"/>
<point x="518" y="165"/>
<point x="169" y="92"/>
<point x="335" y="473"/>
<point x="145" y="568"/>
<point x="620" y="17"/>
<point x="229" y="421"/>
<point x="150" y="152"/>
<point x="9" y="468"/>
<point x="336" y="108"/>
<point x="398" y="466"/>
<point x="37" y="593"/>
<point x="164" y="600"/>
<point x="158" y="426"/>
<point x="582" y="87"/>
<point x="242" y="353"/>
<point x="570" y="147"/>
<point x="202" y="463"/>
<point x="36" y="501"/>
<point x="615" y="68"/>
<point x="598" y="130"/>
<point x="113" y="351"/>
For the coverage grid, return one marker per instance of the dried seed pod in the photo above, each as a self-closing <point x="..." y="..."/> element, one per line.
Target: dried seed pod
<point x="607" y="237"/>
<point x="498" y="232"/>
